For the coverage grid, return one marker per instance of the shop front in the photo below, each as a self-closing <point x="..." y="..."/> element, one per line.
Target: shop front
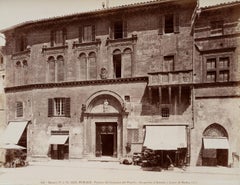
<point x="169" y="144"/>
<point x="215" y="146"/>
<point x="59" y="145"/>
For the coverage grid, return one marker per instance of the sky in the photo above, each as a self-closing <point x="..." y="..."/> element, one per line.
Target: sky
<point x="13" y="12"/>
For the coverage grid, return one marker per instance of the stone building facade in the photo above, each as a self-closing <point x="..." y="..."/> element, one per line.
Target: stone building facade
<point x="93" y="85"/>
<point x="2" y="97"/>
<point x="216" y="93"/>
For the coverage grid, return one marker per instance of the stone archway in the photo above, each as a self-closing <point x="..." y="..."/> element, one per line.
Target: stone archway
<point x="215" y="146"/>
<point x="103" y="125"/>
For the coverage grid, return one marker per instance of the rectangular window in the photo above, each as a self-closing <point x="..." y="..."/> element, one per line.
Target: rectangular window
<point x="168" y="63"/>
<point x="58" y="37"/>
<point x="1" y="63"/>
<point x="211" y="63"/>
<point x="211" y="76"/>
<point x="19" y="109"/>
<point x="224" y="76"/>
<point x="118" y="30"/>
<point x="117" y="65"/>
<point x="165" y="112"/>
<point x="223" y="62"/>
<point x="59" y="107"/>
<point x="87" y="33"/>
<point x="21" y="43"/>
<point x="218" y="69"/>
<point x="169" y="23"/>
<point x="133" y="135"/>
<point x="216" y="28"/>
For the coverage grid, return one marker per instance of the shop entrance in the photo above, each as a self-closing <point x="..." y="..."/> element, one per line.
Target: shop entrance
<point x="107" y="144"/>
<point x="106" y="139"/>
<point x="59" y="152"/>
<point x="215" y="146"/>
<point x="59" y="145"/>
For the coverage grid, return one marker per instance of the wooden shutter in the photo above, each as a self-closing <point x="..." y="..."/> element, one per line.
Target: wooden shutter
<point x="176" y="23"/>
<point x="111" y="30"/>
<point x="50" y="108"/>
<point x="124" y="29"/>
<point x="64" y="36"/>
<point x="19" y="109"/>
<point x="161" y="25"/>
<point x="52" y="38"/>
<point x="80" y="34"/>
<point x="93" y="32"/>
<point x="67" y="107"/>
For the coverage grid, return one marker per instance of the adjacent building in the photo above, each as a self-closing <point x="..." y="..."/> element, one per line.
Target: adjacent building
<point x="216" y="90"/>
<point x="100" y="85"/>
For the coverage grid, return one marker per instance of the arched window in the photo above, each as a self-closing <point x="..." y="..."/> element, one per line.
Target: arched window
<point x="117" y="64"/>
<point x="215" y="146"/>
<point x="25" y="72"/>
<point x="18" y="73"/>
<point x="60" y="68"/>
<point x="51" y="69"/>
<point x="82" y="66"/>
<point x="92" y="67"/>
<point x="127" y="63"/>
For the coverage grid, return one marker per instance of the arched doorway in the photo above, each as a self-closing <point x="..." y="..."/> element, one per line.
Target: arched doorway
<point x="215" y="146"/>
<point x="104" y="120"/>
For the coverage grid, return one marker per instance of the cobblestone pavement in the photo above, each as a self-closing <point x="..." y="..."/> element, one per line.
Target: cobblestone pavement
<point x="98" y="173"/>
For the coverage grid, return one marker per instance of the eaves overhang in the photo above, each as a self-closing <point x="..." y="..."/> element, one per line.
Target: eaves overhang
<point x="76" y="84"/>
<point x="220" y="6"/>
<point x="104" y="11"/>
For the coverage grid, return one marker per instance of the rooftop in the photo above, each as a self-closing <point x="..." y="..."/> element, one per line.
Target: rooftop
<point x="92" y="12"/>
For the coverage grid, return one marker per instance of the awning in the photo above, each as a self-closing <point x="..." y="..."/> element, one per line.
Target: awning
<point x="165" y="137"/>
<point x="58" y="139"/>
<point x="215" y="143"/>
<point x="14" y="132"/>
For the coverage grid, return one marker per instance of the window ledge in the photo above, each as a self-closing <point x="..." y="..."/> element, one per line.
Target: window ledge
<point x="24" y="53"/>
<point x="97" y="42"/>
<point x="44" y="48"/>
<point x="129" y="39"/>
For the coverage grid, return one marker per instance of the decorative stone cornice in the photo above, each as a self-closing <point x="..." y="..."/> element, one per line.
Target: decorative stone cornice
<point x="44" y="48"/>
<point x="21" y="55"/>
<point x="128" y="40"/>
<point x="84" y="44"/>
<point x="76" y="84"/>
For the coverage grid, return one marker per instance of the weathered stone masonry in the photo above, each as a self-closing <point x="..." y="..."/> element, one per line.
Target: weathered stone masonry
<point x="106" y="75"/>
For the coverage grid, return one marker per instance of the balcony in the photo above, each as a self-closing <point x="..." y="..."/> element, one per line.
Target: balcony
<point x="170" y="78"/>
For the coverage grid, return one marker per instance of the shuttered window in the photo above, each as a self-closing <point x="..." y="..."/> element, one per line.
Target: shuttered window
<point x="169" y="23"/>
<point x="19" y="109"/>
<point x="58" y="37"/>
<point x="87" y="33"/>
<point x="118" y="29"/>
<point x="59" y="107"/>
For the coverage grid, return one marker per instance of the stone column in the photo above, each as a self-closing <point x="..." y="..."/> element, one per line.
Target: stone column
<point x="124" y="134"/>
<point x="188" y="130"/>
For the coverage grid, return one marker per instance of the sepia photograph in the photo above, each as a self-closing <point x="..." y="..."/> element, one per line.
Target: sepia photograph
<point x="120" y="92"/>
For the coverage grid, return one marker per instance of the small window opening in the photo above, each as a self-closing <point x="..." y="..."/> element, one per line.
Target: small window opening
<point x="118" y="30"/>
<point x="165" y="112"/>
<point x="169" y="25"/>
<point x="117" y="65"/>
